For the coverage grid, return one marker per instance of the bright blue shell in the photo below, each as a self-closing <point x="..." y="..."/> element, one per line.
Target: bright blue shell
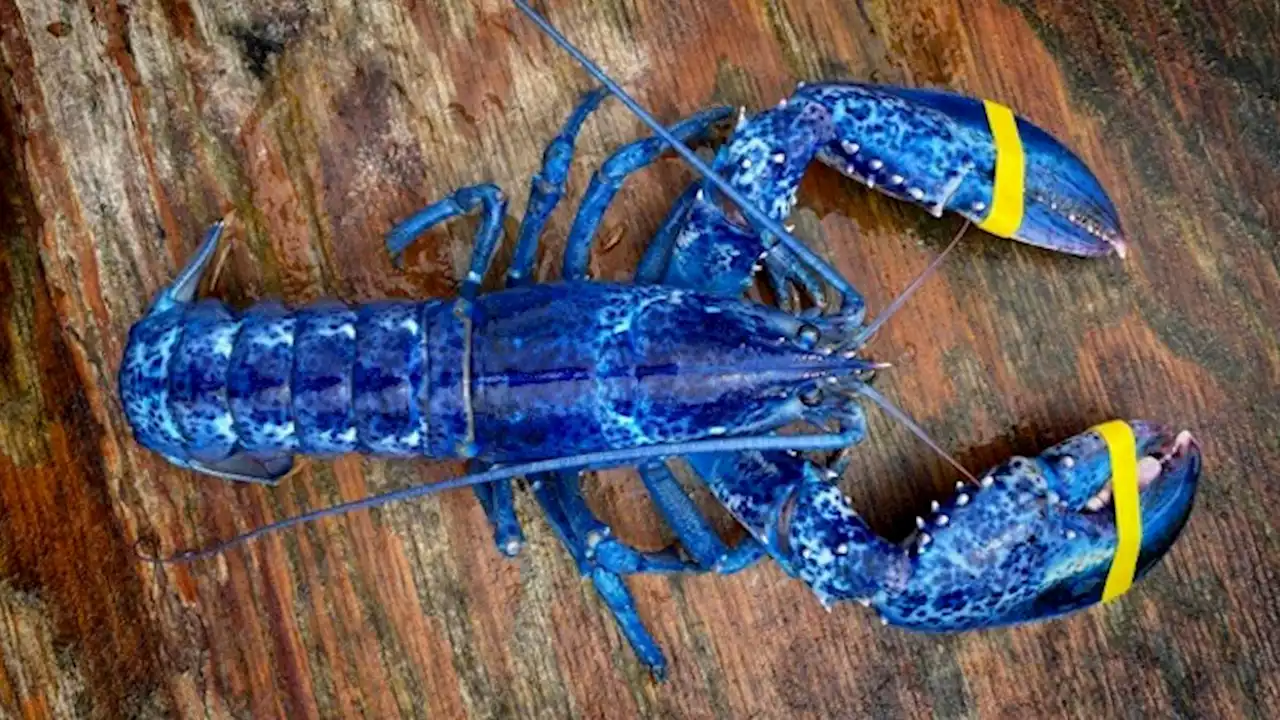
<point x="534" y="372"/>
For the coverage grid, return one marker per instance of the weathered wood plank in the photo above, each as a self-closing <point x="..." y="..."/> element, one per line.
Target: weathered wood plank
<point x="126" y="128"/>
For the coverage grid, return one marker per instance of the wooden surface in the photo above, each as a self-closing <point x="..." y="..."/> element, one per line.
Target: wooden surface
<point x="127" y="128"/>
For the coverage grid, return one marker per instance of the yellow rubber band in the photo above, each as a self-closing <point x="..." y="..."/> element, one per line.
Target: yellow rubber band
<point x="1009" y="192"/>
<point x="1124" y="490"/>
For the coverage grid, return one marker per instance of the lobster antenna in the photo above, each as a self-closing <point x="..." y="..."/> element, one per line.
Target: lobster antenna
<point x="595" y="460"/>
<point x="902" y="417"/>
<point x="757" y="216"/>
<point x="905" y="295"/>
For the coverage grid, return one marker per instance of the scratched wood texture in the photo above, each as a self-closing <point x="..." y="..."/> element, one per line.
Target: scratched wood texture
<point x="126" y="128"/>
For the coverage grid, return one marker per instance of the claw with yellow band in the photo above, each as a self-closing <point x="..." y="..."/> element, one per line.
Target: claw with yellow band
<point x="1044" y="536"/>
<point x="950" y="152"/>
<point x="941" y="151"/>
<point x="1036" y="538"/>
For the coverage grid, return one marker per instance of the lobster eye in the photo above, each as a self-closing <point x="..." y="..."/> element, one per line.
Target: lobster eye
<point x="807" y="337"/>
<point x="1066" y="462"/>
<point x="1020" y="465"/>
<point x="811" y="396"/>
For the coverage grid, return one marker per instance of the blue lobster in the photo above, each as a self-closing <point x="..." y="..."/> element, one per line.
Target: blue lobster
<point x="546" y="380"/>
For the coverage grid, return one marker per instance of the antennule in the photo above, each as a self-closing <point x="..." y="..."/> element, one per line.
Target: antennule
<point x="902" y="298"/>
<point x="919" y="432"/>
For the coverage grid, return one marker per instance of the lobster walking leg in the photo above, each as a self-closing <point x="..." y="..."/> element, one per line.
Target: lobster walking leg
<point x="489" y="198"/>
<point x="497" y="499"/>
<point x="601" y="547"/>
<point x="609" y="585"/>
<point x="654" y="261"/>
<point x="696" y="535"/>
<point x="606" y="560"/>
<point x="608" y="180"/>
<point x="547" y="188"/>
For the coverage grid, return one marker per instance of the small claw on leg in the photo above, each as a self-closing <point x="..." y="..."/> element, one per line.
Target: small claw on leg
<point x="786" y="273"/>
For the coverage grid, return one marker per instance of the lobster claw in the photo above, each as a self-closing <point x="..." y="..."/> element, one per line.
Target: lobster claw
<point x="1046" y="536"/>
<point x="944" y="151"/>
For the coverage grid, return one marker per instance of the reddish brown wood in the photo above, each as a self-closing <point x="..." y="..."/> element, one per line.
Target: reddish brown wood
<point x="126" y="128"/>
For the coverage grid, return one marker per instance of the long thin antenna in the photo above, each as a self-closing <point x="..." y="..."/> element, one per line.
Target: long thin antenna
<point x="919" y="432"/>
<point x="902" y="298"/>
<point x="756" y="215"/>
<point x="596" y="460"/>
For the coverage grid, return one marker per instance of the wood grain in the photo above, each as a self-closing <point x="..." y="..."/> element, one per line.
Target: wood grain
<point x="126" y="128"/>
